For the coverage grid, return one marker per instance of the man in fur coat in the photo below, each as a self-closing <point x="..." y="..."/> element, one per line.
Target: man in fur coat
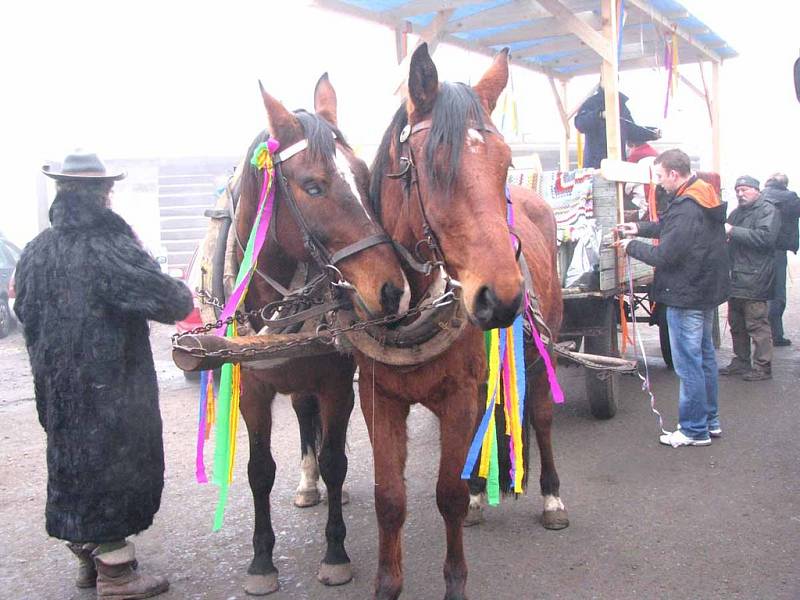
<point x="85" y="291"/>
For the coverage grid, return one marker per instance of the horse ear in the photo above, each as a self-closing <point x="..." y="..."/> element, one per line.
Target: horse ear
<point x="279" y="118"/>
<point x="325" y="100"/>
<point x="494" y="80"/>
<point x="423" y="80"/>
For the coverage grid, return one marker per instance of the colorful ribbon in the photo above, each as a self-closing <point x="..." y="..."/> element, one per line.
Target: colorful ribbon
<point x="227" y="405"/>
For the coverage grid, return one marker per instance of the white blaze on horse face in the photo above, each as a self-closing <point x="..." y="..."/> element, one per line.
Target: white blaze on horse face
<point x="405" y="299"/>
<point x="552" y="503"/>
<point x="346" y="171"/>
<point x="474" y="139"/>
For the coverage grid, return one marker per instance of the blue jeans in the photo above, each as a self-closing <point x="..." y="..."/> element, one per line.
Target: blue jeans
<point x="696" y="365"/>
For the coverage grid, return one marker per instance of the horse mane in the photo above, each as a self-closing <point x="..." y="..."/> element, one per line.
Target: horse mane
<point x="457" y="108"/>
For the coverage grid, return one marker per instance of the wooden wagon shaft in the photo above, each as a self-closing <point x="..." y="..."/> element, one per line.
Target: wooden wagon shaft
<point x="190" y="351"/>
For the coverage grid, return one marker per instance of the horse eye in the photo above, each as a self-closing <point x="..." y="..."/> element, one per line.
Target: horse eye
<point x="313" y="190"/>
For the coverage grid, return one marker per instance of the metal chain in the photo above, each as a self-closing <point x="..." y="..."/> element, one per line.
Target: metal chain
<point x="325" y="333"/>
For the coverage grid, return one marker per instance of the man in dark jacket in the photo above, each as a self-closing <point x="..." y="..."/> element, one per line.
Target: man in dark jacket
<point x="85" y="290"/>
<point x="776" y="192"/>
<point x="691" y="280"/>
<point x="591" y="121"/>
<point x="752" y="230"/>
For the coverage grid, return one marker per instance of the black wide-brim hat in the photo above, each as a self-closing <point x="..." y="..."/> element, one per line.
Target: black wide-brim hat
<point x="83" y="165"/>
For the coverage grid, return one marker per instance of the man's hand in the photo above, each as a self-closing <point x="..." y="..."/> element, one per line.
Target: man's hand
<point x="728" y="229"/>
<point x="623" y="243"/>
<point x="628" y="229"/>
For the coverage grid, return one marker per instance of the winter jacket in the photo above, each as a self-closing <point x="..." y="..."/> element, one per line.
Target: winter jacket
<point x="691" y="260"/>
<point x="788" y="204"/>
<point x="752" y="250"/>
<point x="85" y="290"/>
<point x="589" y="121"/>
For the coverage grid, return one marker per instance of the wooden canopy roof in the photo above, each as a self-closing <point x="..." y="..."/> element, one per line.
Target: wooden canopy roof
<point x="558" y="38"/>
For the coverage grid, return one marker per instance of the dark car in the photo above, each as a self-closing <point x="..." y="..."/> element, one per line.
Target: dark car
<point x="9" y="255"/>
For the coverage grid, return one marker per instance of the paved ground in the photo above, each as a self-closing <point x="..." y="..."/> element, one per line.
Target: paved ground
<point x="646" y="521"/>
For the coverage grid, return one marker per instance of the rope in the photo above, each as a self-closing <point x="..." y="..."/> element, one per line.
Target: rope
<point x="639" y="346"/>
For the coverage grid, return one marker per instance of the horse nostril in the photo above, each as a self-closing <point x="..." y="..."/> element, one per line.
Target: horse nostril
<point x="390" y="298"/>
<point x="485" y="303"/>
<point x="490" y="312"/>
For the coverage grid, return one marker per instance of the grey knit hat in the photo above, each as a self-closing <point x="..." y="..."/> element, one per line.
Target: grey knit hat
<point x="82" y="165"/>
<point x="747" y="181"/>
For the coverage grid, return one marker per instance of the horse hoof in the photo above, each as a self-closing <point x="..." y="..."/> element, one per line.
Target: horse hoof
<point x="307" y="498"/>
<point x="335" y="574"/>
<point x="555" y="519"/>
<point x="261" y="585"/>
<point x="474" y="516"/>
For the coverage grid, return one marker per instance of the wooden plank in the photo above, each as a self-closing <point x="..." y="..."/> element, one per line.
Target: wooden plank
<point x="513" y="12"/>
<point x="622" y="170"/>
<point x="597" y="42"/>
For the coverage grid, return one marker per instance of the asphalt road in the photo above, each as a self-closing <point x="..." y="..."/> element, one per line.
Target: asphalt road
<point x="647" y="521"/>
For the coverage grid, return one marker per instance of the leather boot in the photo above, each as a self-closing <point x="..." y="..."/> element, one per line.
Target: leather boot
<point x="118" y="579"/>
<point x="87" y="574"/>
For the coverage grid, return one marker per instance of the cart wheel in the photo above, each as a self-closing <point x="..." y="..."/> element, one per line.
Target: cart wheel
<point x="601" y="386"/>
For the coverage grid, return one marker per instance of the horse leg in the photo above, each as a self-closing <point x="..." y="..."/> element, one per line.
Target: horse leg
<point x="386" y="423"/>
<point x="306" y="407"/>
<point x="255" y="405"/>
<point x="335" y="409"/>
<point x="452" y="493"/>
<point x="477" y="485"/>
<point x="554" y="515"/>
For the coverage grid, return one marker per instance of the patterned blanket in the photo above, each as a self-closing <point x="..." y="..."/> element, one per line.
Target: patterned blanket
<point x="569" y="193"/>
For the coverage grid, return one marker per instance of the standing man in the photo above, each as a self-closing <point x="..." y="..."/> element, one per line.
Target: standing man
<point x="776" y="192"/>
<point x="752" y="230"/>
<point x="691" y="280"/>
<point x="85" y="290"/>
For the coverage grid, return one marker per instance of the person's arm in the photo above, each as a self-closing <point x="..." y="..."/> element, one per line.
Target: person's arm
<point x="130" y="280"/>
<point x="763" y="235"/>
<point x="649" y="229"/>
<point x="675" y="242"/>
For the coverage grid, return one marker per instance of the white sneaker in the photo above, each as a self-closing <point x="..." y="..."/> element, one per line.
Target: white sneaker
<point x="715" y="432"/>
<point x="678" y="438"/>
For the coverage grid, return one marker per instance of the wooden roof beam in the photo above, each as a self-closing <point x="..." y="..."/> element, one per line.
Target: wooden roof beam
<point x="513" y="12"/>
<point x="579" y="27"/>
<point x="548" y="26"/>
<point x="670" y="26"/>
<point x="416" y="8"/>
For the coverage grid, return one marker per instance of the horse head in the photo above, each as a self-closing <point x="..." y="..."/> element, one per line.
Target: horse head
<point x="320" y="213"/>
<point x="456" y="161"/>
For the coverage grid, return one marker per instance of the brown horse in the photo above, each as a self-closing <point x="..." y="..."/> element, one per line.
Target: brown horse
<point x="320" y="218"/>
<point x="446" y="192"/>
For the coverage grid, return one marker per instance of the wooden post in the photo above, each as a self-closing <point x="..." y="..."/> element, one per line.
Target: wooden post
<point x="564" y="157"/>
<point x="560" y="96"/>
<point x="609" y="74"/>
<point x="716" y="158"/>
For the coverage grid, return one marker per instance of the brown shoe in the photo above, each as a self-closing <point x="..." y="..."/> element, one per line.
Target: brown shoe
<point x="735" y="368"/>
<point x="87" y="574"/>
<point x="117" y="578"/>
<point x="757" y="375"/>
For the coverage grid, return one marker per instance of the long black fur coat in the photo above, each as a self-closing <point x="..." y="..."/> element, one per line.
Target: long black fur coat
<point x="85" y="290"/>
